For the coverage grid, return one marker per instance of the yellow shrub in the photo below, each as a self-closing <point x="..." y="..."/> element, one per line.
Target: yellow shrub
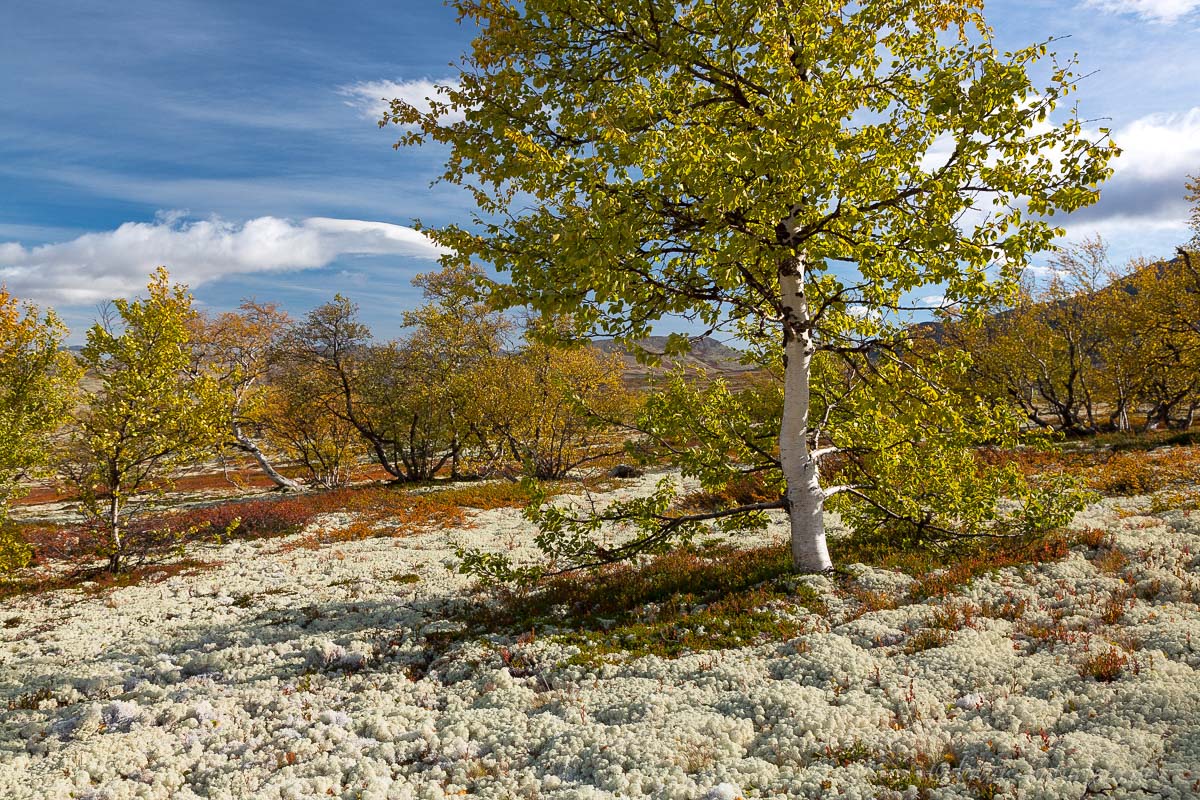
<point x="14" y="552"/>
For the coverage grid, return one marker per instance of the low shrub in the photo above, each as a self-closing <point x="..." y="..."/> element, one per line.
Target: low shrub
<point x="869" y="601"/>
<point x="1122" y="468"/>
<point x="927" y="639"/>
<point x="1104" y="666"/>
<point x="98" y="580"/>
<point x="492" y="495"/>
<point x="1039" y="635"/>
<point x="1114" y="608"/>
<point x="740" y="491"/>
<point x="681" y="578"/>
<point x="376" y="511"/>
<point x="696" y="599"/>
<point x="1111" y="560"/>
<point x="15" y="552"/>
<point x="1010" y="608"/>
<point x="246" y="519"/>
<point x="940" y="571"/>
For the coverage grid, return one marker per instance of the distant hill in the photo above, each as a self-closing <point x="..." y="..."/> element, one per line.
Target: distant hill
<point x="707" y="354"/>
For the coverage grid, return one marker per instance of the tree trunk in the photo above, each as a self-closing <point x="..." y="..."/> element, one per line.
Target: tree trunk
<point x="114" y="534"/>
<point x="805" y="498"/>
<point x="246" y="444"/>
<point x="1158" y="418"/>
<point x="1122" y="416"/>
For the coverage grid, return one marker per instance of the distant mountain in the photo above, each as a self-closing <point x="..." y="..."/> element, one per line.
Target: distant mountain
<point x="707" y="354"/>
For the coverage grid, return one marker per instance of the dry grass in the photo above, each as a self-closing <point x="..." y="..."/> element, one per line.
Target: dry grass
<point x="1115" y="466"/>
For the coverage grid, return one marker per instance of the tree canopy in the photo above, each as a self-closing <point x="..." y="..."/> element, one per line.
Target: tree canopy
<point x="793" y="170"/>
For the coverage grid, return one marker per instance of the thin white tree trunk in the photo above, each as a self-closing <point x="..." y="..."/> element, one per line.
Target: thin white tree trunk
<point x="805" y="498"/>
<point x="114" y="533"/>
<point x="247" y="444"/>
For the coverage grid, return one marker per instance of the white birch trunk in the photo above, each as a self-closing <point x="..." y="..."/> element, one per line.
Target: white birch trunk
<point x="805" y="498"/>
<point x="246" y="444"/>
<point x="114" y="533"/>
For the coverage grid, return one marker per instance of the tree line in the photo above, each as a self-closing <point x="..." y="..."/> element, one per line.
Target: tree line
<point x="1095" y="347"/>
<point x="160" y="387"/>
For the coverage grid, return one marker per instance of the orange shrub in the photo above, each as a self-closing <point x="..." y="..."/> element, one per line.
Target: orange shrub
<point x="741" y="490"/>
<point x="1136" y="472"/>
<point x="1106" y="666"/>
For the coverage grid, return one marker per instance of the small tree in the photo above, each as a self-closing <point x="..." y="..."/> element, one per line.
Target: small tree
<point x="791" y="168"/>
<point x="1166" y="300"/>
<point x="400" y="398"/>
<point x="1170" y="295"/>
<point x="149" y="415"/>
<point x="336" y="349"/>
<point x="552" y="408"/>
<point x="235" y="348"/>
<point x="406" y="398"/>
<point x="452" y="336"/>
<point x="1043" y="352"/>
<point x="295" y="419"/>
<point x="37" y="381"/>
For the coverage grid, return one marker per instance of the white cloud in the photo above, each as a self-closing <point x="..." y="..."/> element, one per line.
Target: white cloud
<point x="1142" y="210"/>
<point x="1160" y="145"/>
<point x="372" y="97"/>
<point x="99" y="266"/>
<point x="1153" y="10"/>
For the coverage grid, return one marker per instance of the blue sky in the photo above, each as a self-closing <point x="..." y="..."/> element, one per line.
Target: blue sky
<point x="236" y="142"/>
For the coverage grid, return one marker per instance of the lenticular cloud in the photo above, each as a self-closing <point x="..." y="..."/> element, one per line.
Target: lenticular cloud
<point x="99" y="266"/>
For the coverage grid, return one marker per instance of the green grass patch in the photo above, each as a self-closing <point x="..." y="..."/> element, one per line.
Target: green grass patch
<point x="687" y="601"/>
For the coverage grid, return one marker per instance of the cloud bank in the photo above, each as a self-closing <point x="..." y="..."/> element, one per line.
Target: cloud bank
<point x="100" y="266"/>
<point x="1145" y="197"/>
<point x="1160" y="145"/>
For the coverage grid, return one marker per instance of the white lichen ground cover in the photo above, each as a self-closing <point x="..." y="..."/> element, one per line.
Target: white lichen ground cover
<point x="312" y="674"/>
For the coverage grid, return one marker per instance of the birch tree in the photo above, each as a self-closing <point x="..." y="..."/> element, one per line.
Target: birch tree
<point x="294" y="418"/>
<point x="794" y="169"/>
<point x="1043" y="351"/>
<point x="551" y="408"/>
<point x="37" y="383"/>
<point x="407" y="398"/>
<point x="148" y="415"/>
<point x="1168" y="301"/>
<point x="451" y="336"/>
